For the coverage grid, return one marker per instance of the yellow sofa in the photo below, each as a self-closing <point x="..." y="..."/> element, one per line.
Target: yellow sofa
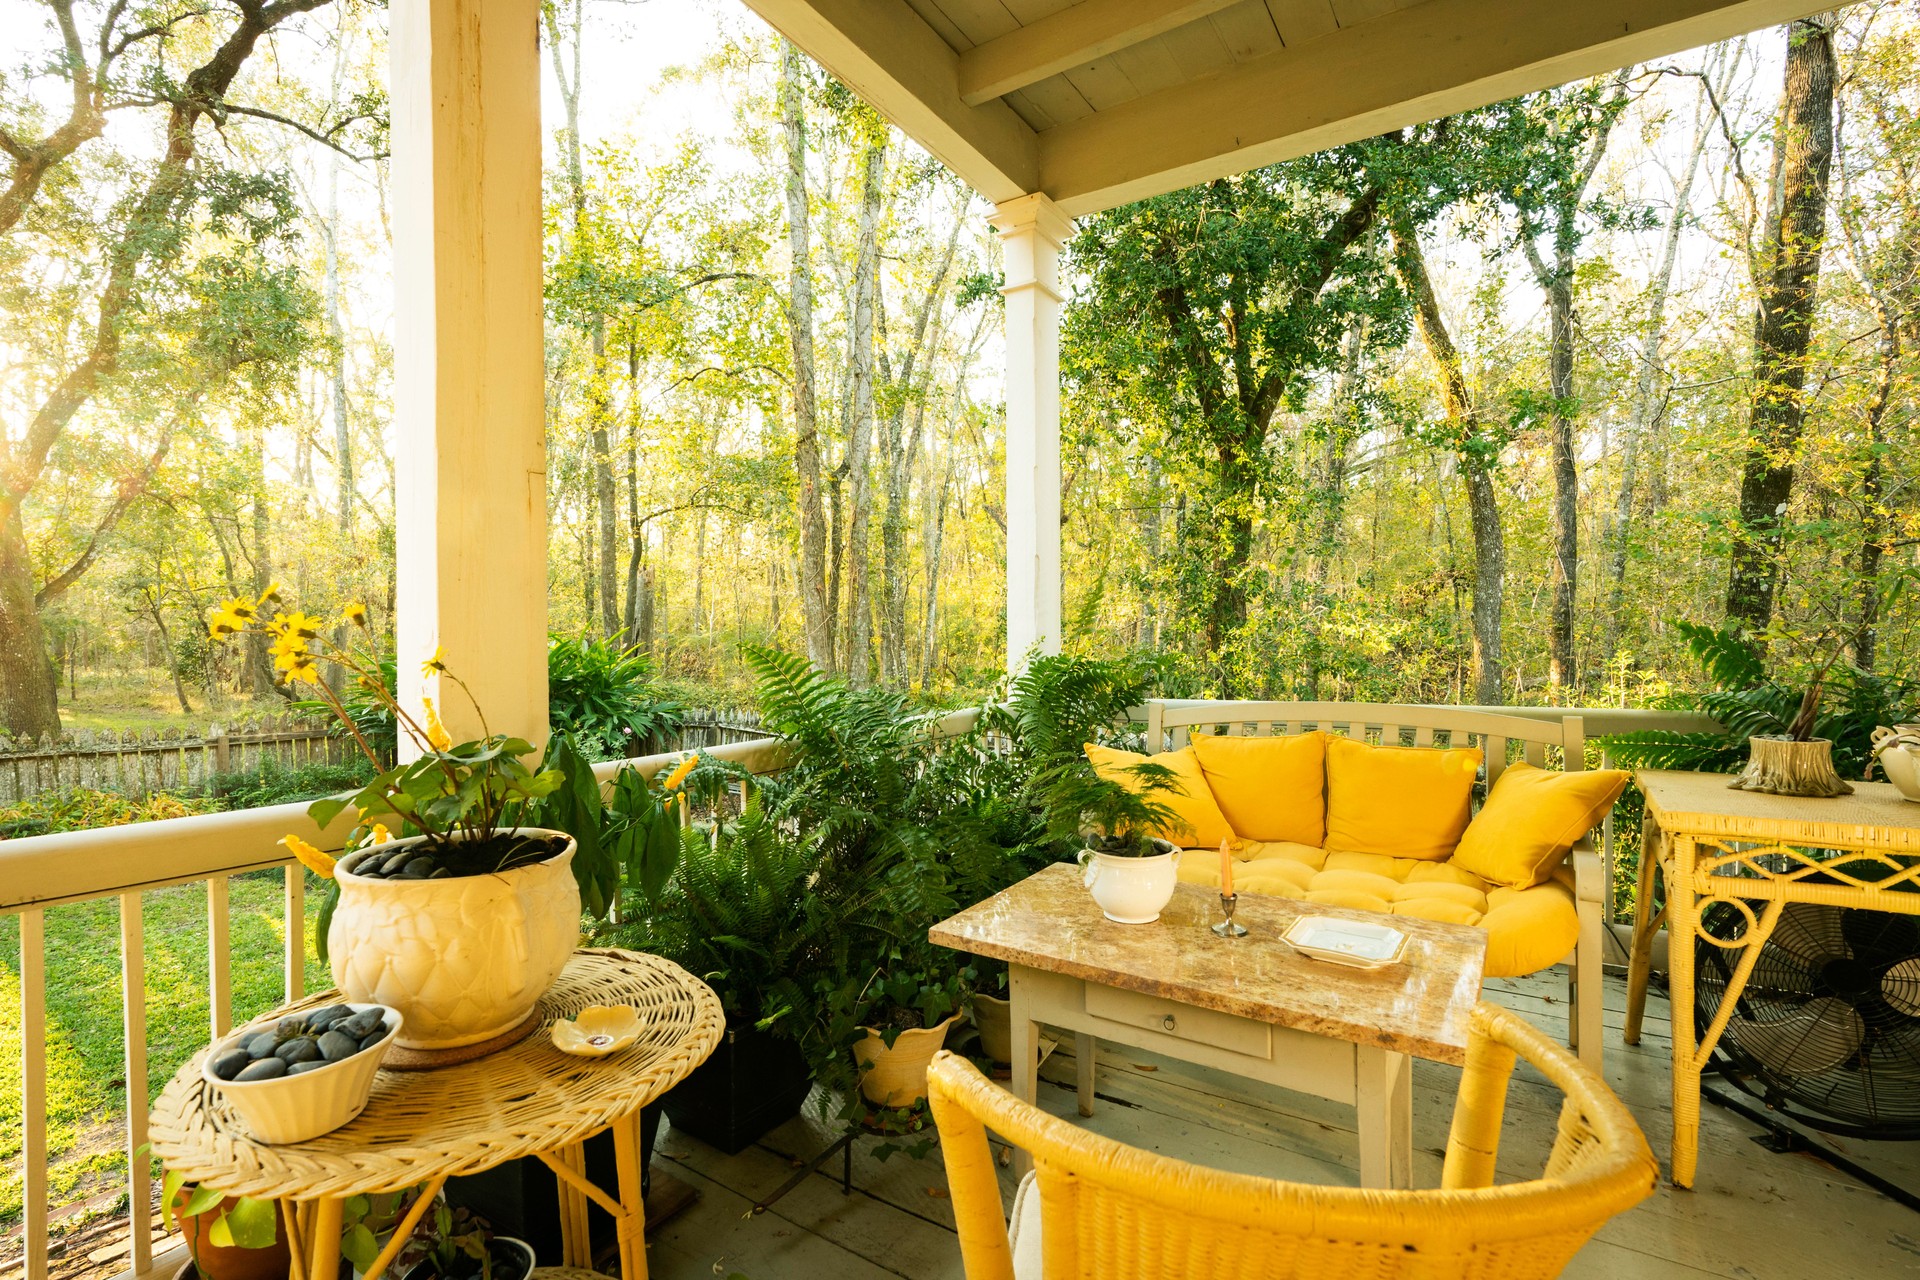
<point x="1393" y="848"/>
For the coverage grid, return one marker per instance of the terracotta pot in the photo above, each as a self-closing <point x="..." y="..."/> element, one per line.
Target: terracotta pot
<point x="463" y="959"/>
<point x="210" y="1261"/>
<point x="1131" y="890"/>
<point x="897" y="1077"/>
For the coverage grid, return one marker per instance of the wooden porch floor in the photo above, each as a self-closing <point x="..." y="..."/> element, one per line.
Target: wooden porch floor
<point x="1754" y="1215"/>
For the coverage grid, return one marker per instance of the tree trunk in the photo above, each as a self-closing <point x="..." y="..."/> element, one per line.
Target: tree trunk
<point x="1783" y="329"/>
<point x="29" y="684"/>
<point x="606" y="496"/>
<point x="154" y="611"/>
<point x="816" y="616"/>
<point x="1342" y="428"/>
<point x="1565" y="574"/>
<point x="866" y="273"/>
<point x="1478" y="454"/>
<point x="1648" y="401"/>
<point x="259" y="661"/>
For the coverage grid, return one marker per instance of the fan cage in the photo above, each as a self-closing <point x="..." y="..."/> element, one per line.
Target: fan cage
<point x="1827" y="1030"/>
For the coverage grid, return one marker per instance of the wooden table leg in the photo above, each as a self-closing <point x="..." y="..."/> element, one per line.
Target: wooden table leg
<point x="324" y="1245"/>
<point x="1646" y="925"/>
<point x="1085" y="1051"/>
<point x="576" y="1241"/>
<point x="632" y="1220"/>
<point x="1383" y="1106"/>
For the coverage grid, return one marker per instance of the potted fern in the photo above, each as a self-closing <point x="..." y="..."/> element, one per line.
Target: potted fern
<point x="1129" y="870"/>
<point x="739" y="911"/>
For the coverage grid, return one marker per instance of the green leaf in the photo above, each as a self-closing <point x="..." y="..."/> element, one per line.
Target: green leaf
<point x="323" y="811"/>
<point x="359" y="1246"/>
<point x="202" y="1199"/>
<point x="251" y="1223"/>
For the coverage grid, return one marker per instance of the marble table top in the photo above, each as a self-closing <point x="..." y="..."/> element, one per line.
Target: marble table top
<point x="1417" y="1006"/>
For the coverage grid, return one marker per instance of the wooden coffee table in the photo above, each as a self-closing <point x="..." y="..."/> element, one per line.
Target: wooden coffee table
<point x="1251" y="1006"/>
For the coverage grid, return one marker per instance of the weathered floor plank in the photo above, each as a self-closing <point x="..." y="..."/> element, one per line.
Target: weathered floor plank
<point x="1754" y="1215"/>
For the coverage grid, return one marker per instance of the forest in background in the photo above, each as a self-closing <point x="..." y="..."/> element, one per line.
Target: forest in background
<point x="1475" y="412"/>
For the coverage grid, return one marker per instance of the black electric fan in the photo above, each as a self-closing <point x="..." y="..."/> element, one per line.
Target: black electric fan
<point x="1827" y="1030"/>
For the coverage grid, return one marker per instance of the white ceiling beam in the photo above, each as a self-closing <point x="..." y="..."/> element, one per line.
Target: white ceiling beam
<point x="886" y="53"/>
<point x="1070" y="38"/>
<point x="1431" y="60"/>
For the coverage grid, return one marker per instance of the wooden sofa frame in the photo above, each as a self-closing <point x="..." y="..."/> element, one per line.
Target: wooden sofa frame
<point x="1172" y="722"/>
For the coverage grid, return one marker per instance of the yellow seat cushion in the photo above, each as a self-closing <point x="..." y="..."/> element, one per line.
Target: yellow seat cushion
<point x="1201" y="824"/>
<point x="1271" y="789"/>
<point x="1407" y="802"/>
<point x="1531" y="819"/>
<point x="1307" y="854"/>
<point x="1527" y="929"/>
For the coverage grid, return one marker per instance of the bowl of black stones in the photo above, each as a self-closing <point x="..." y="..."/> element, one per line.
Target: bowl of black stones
<point x="303" y="1074"/>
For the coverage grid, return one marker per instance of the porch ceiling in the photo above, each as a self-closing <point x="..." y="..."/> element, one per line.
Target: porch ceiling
<point x="1107" y="101"/>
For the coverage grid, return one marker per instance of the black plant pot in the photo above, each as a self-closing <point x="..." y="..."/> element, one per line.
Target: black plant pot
<point x="521" y="1198"/>
<point x="509" y="1259"/>
<point x="754" y="1082"/>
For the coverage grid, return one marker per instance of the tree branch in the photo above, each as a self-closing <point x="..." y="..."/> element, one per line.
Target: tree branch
<point x="128" y="493"/>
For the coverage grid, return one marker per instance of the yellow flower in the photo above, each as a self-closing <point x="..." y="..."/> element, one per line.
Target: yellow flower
<point x="271" y="595"/>
<point x="221" y="625"/>
<point x="680" y="772"/>
<point x="321" y="864"/>
<point x="286" y="643"/>
<point x="304" y="671"/>
<point x="303" y="625"/>
<point x="238" y="607"/>
<point x="356" y="614"/>
<point x="437" y="736"/>
<point x="438" y="662"/>
<point x="379" y="834"/>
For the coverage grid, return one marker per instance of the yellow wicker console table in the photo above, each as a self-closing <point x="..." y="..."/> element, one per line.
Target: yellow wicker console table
<point x="1755" y="853"/>
<point x="425" y="1126"/>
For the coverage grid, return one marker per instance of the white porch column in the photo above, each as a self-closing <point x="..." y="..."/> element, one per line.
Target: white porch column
<point x="470" y="511"/>
<point x="1032" y="229"/>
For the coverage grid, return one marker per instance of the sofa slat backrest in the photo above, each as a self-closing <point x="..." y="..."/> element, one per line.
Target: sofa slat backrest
<point x="1171" y="724"/>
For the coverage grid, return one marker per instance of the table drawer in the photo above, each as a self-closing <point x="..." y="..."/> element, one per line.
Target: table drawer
<point x="1184" y="1021"/>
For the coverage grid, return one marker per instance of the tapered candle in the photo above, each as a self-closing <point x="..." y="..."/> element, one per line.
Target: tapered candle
<point x="1226" y="870"/>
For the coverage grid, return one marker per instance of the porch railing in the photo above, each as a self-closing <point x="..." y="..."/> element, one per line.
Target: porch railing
<point x="42" y="872"/>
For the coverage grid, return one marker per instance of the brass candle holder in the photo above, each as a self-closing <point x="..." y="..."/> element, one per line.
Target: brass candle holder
<point x="1227" y="928"/>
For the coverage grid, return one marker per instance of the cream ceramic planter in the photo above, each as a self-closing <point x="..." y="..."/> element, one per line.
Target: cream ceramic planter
<point x="463" y="958"/>
<point x="1131" y="890"/>
<point x="897" y="1077"/>
<point x="1898" y="749"/>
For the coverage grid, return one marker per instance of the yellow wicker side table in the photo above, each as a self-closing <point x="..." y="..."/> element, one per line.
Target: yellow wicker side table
<point x="528" y="1099"/>
<point x="1756" y="853"/>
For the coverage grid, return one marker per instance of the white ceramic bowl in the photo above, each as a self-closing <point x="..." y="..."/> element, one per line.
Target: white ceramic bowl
<point x="295" y="1108"/>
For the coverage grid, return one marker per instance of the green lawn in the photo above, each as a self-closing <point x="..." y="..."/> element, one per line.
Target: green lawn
<point x="86" y="1089"/>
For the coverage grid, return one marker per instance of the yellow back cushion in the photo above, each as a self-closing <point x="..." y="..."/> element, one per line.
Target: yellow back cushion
<point x="1203" y="826"/>
<point x="1268" y="788"/>
<point x="1531" y="819"/>
<point x="1408" y="802"/>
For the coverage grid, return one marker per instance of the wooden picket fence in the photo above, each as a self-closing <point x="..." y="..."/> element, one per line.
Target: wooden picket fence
<point x="139" y="764"/>
<point x="168" y="760"/>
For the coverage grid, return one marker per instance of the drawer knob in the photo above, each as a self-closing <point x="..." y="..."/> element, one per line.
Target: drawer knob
<point x="1167" y="1022"/>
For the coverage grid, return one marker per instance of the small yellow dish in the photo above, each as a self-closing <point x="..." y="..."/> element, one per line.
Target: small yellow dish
<point x="597" y="1031"/>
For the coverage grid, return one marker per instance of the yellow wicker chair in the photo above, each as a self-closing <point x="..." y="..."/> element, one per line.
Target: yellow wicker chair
<point x="1106" y="1211"/>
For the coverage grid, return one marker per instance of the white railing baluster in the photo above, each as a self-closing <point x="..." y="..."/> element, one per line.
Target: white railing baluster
<point x="219" y="982"/>
<point x="33" y="1089"/>
<point x="133" y="997"/>
<point x="296" y="931"/>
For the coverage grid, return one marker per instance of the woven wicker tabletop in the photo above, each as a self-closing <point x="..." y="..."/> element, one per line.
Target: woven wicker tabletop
<point x="1875" y="816"/>
<point x="418" y="1125"/>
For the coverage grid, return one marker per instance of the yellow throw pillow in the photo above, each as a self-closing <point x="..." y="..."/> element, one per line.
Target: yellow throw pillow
<point x="1406" y="802"/>
<point x="1203" y="825"/>
<point x="1530" y="821"/>
<point x="1268" y="788"/>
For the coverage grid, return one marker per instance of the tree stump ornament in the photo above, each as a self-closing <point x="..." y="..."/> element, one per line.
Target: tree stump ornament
<point x="1786" y="767"/>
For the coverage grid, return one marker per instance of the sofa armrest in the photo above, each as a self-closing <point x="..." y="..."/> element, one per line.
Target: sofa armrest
<point x="1589" y="875"/>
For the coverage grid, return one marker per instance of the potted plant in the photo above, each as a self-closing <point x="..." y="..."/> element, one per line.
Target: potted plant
<point x="460" y="1246"/>
<point x="738" y="909"/>
<point x="227" y="1237"/>
<point x="464" y="924"/>
<point x="905" y="1015"/>
<point x="1129" y="870"/>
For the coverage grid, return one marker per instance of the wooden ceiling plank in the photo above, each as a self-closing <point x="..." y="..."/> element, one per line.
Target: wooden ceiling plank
<point x="1247" y="29"/>
<point x="891" y="57"/>
<point x="1071" y="38"/>
<point x="1424" y="62"/>
<point x="1298" y="21"/>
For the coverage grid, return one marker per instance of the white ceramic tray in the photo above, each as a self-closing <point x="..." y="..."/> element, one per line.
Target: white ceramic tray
<point x="1353" y="943"/>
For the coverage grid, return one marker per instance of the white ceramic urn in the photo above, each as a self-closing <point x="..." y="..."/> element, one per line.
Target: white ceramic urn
<point x="1898" y="750"/>
<point x="1131" y="890"/>
<point x="462" y="958"/>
